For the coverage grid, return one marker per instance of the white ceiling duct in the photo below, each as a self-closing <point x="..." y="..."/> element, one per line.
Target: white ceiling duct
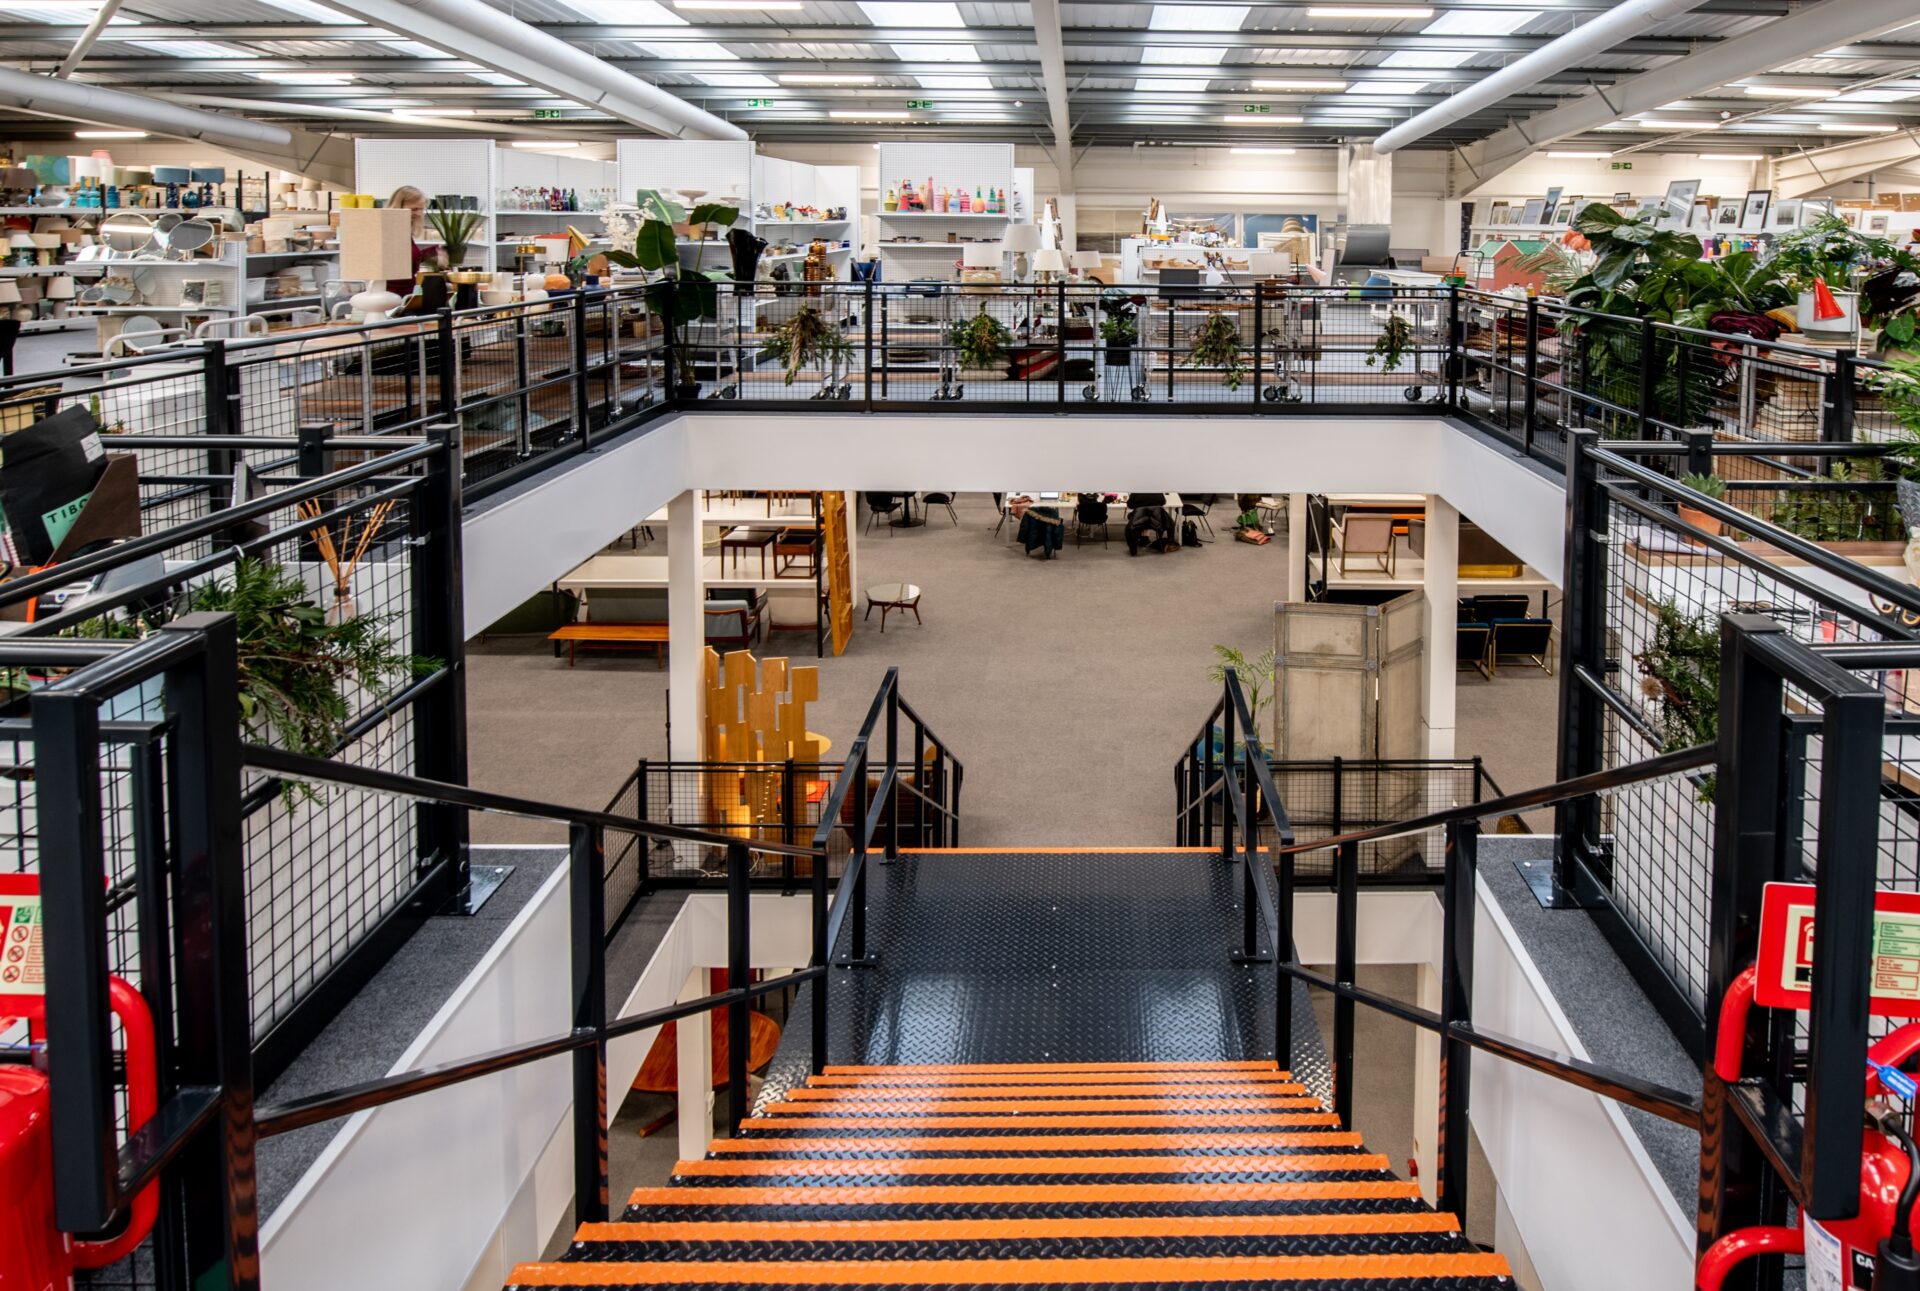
<point x="476" y="31"/>
<point x="97" y="104"/>
<point x="1622" y="22"/>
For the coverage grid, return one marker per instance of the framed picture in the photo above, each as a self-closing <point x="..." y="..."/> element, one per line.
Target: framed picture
<point x="1753" y="212"/>
<point x="1563" y="213"/>
<point x="1785" y="214"/>
<point x="1813" y="210"/>
<point x="1726" y="214"/>
<point x="1552" y="201"/>
<point x="1701" y="217"/>
<point x="1878" y="224"/>
<point x="1535" y="211"/>
<point x="1680" y="195"/>
<point x="1499" y="213"/>
<point x="1852" y="215"/>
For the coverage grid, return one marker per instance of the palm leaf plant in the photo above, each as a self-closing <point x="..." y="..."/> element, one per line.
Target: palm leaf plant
<point x="680" y="295"/>
<point x="456" y="231"/>
<point x="809" y="338"/>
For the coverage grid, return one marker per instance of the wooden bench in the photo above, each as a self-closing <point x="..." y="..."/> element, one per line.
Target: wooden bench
<point x="614" y="636"/>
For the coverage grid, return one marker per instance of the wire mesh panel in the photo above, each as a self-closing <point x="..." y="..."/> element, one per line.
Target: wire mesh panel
<point x="1327" y="798"/>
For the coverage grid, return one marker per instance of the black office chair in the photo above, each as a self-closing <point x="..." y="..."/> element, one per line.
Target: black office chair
<point x="928" y="501"/>
<point x="1470" y="647"/>
<point x="1199" y="507"/>
<point x="879" y="506"/>
<point x="1528" y="639"/>
<point x="1090" y="511"/>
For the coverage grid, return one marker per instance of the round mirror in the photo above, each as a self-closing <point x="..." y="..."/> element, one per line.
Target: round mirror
<point x="189" y="236"/>
<point x="126" y="233"/>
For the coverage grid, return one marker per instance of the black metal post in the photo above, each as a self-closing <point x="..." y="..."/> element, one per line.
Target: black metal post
<point x="1649" y="375"/>
<point x="434" y="525"/>
<point x="1227" y="755"/>
<point x="582" y="400"/>
<point x="223" y="417"/>
<point x="1456" y="336"/>
<point x="866" y="322"/>
<point x="1836" y="421"/>
<point x="1747" y="854"/>
<point x="892" y="787"/>
<point x="789" y="821"/>
<point x="214" y="1178"/>
<point x="1699" y="451"/>
<point x="857" y="833"/>
<point x="642" y="808"/>
<point x="1583" y="647"/>
<point x="1208" y="789"/>
<point x="739" y="977"/>
<point x="921" y="784"/>
<point x="1060" y="343"/>
<point x="823" y="957"/>
<point x="586" y="898"/>
<point x="1456" y="1007"/>
<point x="1530" y="396"/>
<point x="1259" y="337"/>
<point x="1283" y="953"/>
<point x="1346" y="933"/>
<point x="446" y="366"/>
<point x="1249" y="853"/>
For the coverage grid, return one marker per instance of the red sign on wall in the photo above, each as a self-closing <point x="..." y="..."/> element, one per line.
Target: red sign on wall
<point x="1787" y="939"/>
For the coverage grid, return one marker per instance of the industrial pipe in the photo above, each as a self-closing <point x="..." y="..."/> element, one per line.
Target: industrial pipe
<point x="1622" y="22"/>
<point x="95" y="103"/>
<point x="477" y="31"/>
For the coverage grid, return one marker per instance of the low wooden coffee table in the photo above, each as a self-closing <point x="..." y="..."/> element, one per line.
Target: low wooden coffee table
<point x="614" y="636"/>
<point x="904" y="597"/>
<point x="735" y="541"/>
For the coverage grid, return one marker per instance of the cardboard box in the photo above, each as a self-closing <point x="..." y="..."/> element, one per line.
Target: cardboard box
<point x="376" y="245"/>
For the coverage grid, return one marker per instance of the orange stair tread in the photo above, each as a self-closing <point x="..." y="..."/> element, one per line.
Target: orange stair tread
<point x="1073" y="1165"/>
<point x="961" y="1107"/>
<point x="938" y="1230"/>
<point x="857" y="1070"/>
<point x="1040" y="1143"/>
<point x="809" y="1118"/>
<point x="910" y="1194"/>
<point x="1282" y="1268"/>
<point x="904" y="1093"/>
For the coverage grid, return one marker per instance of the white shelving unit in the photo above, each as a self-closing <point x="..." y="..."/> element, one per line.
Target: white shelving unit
<point x="972" y="166"/>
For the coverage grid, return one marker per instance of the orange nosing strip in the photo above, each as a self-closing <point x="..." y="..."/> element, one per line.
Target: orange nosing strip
<point x="993" y="1194"/>
<point x="915" y="1080"/>
<point x="924" y="1093"/>
<point x="1040" y="1143"/>
<point x="937" y="1230"/>
<point x="1067" y="851"/>
<point x="1053" y="1066"/>
<point x="940" y="1107"/>
<point x="810" y="1119"/>
<point x="863" y="1168"/>
<point x="1091" y="1272"/>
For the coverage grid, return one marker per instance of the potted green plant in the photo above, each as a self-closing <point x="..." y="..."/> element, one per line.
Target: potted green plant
<point x="1709" y="486"/>
<point x="1119" y="331"/>
<point x="808" y="339"/>
<point x="1390" y="347"/>
<point x="979" y="342"/>
<point x="1898" y="385"/>
<point x="678" y="295"/>
<point x="1256" y="684"/>
<point x="456" y="231"/>
<point x="1216" y="344"/>
<point x="1830" y="250"/>
<point x="1681" y="673"/>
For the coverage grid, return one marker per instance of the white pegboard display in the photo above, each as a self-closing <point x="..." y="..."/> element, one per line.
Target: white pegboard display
<point x="949" y="165"/>
<point x="720" y="168"/>
<point x="535" y="170"/>
<point x="459" y="166"/>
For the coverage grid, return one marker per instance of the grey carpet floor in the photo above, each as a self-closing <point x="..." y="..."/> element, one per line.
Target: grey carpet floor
<point x="1067" y="687"/>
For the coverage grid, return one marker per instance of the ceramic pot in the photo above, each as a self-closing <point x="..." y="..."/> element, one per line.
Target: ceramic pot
<point x="1700" y="519"/>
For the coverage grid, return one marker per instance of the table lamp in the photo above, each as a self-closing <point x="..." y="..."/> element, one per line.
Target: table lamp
<point x="375" y="306"/>
<point x="376" y="245"/>
<point x="59" y="292"/>
<point x="980" y="255"/>
<point x="1081" y="261"/>
<point x="9" y="297"/>
<point x="1049" y="263"/>
<point x="1022" y="240"/>
<point x="21" y="244"/>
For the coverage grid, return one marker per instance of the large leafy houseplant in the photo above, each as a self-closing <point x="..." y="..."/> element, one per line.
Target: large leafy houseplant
<point x="1390" y="347"/>
<point x="1216" y="344"/>
<point x="680" y="295"/>
<point x="980" y="341"/>
<point x="1682" y="677"/>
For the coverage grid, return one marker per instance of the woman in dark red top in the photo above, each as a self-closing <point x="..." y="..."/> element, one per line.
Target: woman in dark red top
<point x="409" y="198"/>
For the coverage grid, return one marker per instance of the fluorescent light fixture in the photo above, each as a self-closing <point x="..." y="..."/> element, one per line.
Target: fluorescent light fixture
<point x="644" y="13"/>
<point x="1733" y="156"/>
<point x="109" y="134"/>
<point x="735" y="80"/>
<point x="1197" y="17"/>
<point x="1480" y="22"/>
<point x="1170" y="84"/>
<point x="1260" y="119"/>
<point x="870" y="114"/>
<point x="825" y="78"/>
<point x="1436" y="58"/>
<point x="1650" y="123"/>
<point x="546" y="143"/>
<point x="313" y="12"/>
<point x="1380" y="12"/>
<point x="1299" y="85"/>
<point x="1264" y="152"/>
<point x="1588" y="156"/>
<point x="736" y="4"/>
<point x="1787" y="92"/>
<point x="1386" y="89"/>
<point x="411" y="113"/>
<point x="955" y="82"/>
<point x="912" y="13"/>
<point x="1184" y="55"/>
<point x="306" y="78"/>
<point x="1860" y="127"/>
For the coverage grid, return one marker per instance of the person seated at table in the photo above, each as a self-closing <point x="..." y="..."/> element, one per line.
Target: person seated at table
<point x="1151" y="528"/>
<point x="1137" y="501"/>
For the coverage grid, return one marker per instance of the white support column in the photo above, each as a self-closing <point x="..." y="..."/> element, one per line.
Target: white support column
<point x="1296" y="546"/>
<point x="1426" y="1083"/>
<point x="695" y="1071"/>
<point x="1442" y="585"/>
<point x="686" y="626"/>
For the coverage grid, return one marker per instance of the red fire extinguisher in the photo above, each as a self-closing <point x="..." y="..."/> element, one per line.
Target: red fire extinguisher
<point x="35" y="1255"/>
<point x="1882" y="1232"/>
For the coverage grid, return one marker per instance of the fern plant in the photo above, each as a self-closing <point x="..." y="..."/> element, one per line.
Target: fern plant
<point x="1216" y="344"/>
<point x="980" y="341"/>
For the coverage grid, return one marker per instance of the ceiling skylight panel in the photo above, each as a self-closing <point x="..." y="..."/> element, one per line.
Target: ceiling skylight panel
<point x="313" y="12"/>
<point x="1380" y="89"/>
<point x="62" y="11"/>
<point x="192" y="49"/>
<point x="496" y="78"/>
<point x="1184" y="55"/>
<point x="1170" y="84"/>
<point x="1425" y="58"/>
<point x="936" y="53"/>
<point x="955" y="82"/>
<point x="735" y="80"/>
<point x="1479" y="22"/>
<point x="1197" y="17"/>
<point x="710" y="50"/>
<point x="912" y="13"/>
<point x="632" y="13"/>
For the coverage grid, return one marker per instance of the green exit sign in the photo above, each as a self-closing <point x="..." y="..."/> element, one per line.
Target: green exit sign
<point x="1256" y="107"/>
<point x="922" y="104"/>
<point x="759" y="103"/>
<point x="548" y="114"/>
<point x="1623" y="165"/>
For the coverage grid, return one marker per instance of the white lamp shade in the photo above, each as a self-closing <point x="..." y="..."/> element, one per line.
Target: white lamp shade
<point x="1084" y="260"/>
<point x="21" y="241"/>
<point x="1022" y="237"/>
<point x="1049" y="260"/>
<point x="981" y="255"/>
<point x="9" y="292"/>
<point x="60" y="288"/>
